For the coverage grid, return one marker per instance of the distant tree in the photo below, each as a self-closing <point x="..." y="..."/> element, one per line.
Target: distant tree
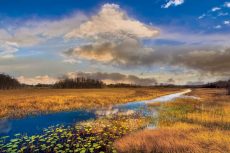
<point x="123" y="85"/>
<point x="228" y="87"/>
<point x="78" y="83"/>
<point x="218" y="84"/>
<point x="39" y="85"/>
<point x="228" y="90"/>
<point x="7" y="82"/>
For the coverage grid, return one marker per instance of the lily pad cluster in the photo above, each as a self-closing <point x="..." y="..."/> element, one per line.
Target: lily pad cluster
<point x="91" y="137"/>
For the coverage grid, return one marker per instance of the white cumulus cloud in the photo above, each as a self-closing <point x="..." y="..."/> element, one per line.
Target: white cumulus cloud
<point x="227" y="22"/>
<point x="214" y="9"/>
<point x="31" y="32"/>
<point x="227" y="4"/>
<point x="115" y="38"/>
<point x="111" y="21"/>
<point x="173" y="3"/>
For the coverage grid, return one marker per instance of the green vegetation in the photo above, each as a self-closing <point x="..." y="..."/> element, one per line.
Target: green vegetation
<point x="95" y="136"/>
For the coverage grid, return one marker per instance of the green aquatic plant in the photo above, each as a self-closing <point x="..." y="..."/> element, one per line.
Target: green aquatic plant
<point x="87" y="137"/>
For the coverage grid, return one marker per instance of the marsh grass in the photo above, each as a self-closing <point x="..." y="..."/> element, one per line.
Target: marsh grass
<point x="186" y="125"/>
<point x="18" y="103"/>
<point x="96" y="136"/>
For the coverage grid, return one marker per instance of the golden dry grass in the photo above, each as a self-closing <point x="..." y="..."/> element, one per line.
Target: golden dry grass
<point x="186" y="126"/>
<point x="180" y="138"/>
<point x="17" y="103"/>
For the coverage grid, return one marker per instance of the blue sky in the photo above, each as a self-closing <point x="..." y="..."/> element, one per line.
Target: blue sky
<point x="155" y="39"/>
<point x="184" y="15"/>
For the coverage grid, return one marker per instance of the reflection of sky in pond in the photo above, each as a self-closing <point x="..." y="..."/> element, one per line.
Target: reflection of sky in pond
<point x="35" y="124"/>
<point x="5" y="126"/>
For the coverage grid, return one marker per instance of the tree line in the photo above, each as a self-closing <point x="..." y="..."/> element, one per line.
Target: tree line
<point x="7" y="82"/>
<point x="123" y="85"/>
<point x="78" y="83"/>
<point x="219" y="84"/>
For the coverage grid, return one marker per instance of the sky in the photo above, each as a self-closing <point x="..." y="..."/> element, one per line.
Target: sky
<point x="147" y="43"/>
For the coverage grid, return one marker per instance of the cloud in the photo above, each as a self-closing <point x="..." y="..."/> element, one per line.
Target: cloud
<point x="116" y="40"/>
<point x="200" y="39"/>
<point x="219" y="13"/>
<point x="217" y="27"/>
<point x="129" y="52"/>
<point x="37" y="79"/>
<point x="28" y="33"/>
<point x="195" y="83"/>
<point x="171" y="81"/>
<point x="202" y="16"/>
<point x="108" y="78"/>
<point x="223" y="14"/>
<point x="227" y="4"/>
<point x="111" y="38"/>
<point x="7" y="49"/>
<point x="111" y="78"/>
<point x="173" y="3"/>
<point x="47" y="29"/>
<point x="214" y="9"/>
<point x="132" y="54"/>
<point x="71" y="61"/>
<point x="112" y="22"/>
<point x="184" y="76"/>
<point x="216" y="62"/>
<point x="227" y="22"/>
<point x="4" y="34"/>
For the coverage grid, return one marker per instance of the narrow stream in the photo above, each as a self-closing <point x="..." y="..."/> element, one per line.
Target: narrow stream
<point x="35" y="124"/>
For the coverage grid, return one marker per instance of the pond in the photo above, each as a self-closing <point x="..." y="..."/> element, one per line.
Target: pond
<point x="33" y="125"/>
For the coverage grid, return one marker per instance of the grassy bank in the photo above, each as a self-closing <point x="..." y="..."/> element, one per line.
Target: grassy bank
<point x="186" y="125"/>
<point x="18" y="103"/>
